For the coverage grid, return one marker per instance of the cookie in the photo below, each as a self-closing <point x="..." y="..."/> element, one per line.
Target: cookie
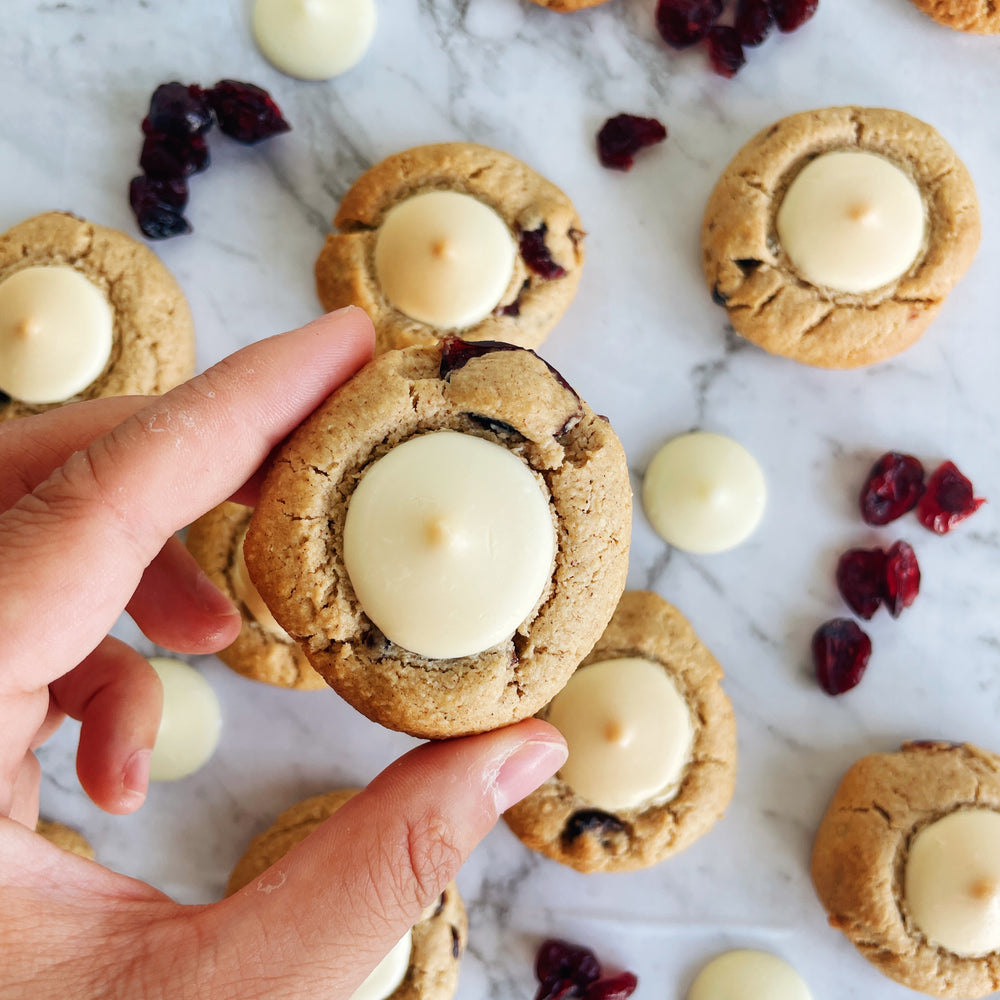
<point x="620" y="835"/>
<point x="263" y="651"/>
<point x="65" y="837"/>
<point x="915" y="187"/>
<point x="438" y="938"/>
<point x="501" y="263"/>
<point x="500" y="607"/>
<point x="980" y="17"/>
<point x="876" y="877"/>
<point x="151" y="344"/>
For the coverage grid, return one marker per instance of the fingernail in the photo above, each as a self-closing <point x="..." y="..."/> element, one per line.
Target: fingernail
<point x="135" y="779"/>
<point x="525" y="769"/>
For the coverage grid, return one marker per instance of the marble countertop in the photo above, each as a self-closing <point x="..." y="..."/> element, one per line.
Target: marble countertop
<point x="643" y="343"/>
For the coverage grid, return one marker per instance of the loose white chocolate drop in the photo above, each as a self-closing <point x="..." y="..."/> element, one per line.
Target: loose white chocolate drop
<point x="190" y="724"/>
<point x="56" y="333"/>
<point x="704" y="492"/>
<point x="952" y="882"/>
<point x="384" y="979"/>
<point x="444" y="258"/>
<point x="851" y="221"/>
<point x="449" y="544"/>
<point x="314" y="39"/>
<point x="746" y="974"/>
<point x="628" y="730"/>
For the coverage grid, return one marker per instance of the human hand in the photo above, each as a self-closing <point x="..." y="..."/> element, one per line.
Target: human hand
<point x="90" y="497"/>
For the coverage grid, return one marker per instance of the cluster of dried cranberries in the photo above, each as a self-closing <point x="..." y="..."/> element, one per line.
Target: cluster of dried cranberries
<point x="568" y="972"/>
<point x="683" y="23"/>
<point x="869" y="578"/>
<point x="175" y="145"/>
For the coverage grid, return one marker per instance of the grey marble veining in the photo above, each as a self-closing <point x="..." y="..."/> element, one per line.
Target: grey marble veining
<point x="644" y="344"/>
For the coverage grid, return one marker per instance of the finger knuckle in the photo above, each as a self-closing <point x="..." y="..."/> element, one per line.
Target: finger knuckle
<point x="432" y="856"/>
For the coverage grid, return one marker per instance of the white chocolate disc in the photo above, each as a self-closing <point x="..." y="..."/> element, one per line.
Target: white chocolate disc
<point x="313" y="39"/>
<point x="246" y="592"/>
<point x="388" y="974"/>
<point x="190" y="724"/>
<point x="56" y="332"/>
<point x="628" y="730"/>
<point x="952" y="882"/>
<point x="449" y="543"/>
<point x="444" y="258"/>
<point x="851" y="221"/>
<point x="704" y="492"/>
<point x="746" y="974"/>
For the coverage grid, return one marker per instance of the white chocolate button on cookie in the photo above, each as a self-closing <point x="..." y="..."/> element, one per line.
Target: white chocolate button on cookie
<point x="444" y="258"/>
<point x="851" y="221"/>
<point x="384" y="979"/>
<point x="952" y="883"/>
<point x="56" y="331"/>
<point x="246" y="592"/>
<point x="704" y="492"/>
<point x="747" y="974"/>
<point x="628" y="730"/>
<point x="449" y="544"/>
<point x="190" y="724"/>
<point x="314" y="39"/>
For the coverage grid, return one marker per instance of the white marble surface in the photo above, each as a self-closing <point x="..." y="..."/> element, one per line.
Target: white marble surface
<point x="645" y="345"/>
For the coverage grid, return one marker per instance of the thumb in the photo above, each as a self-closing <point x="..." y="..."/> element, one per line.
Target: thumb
<point x="322" y="917"/>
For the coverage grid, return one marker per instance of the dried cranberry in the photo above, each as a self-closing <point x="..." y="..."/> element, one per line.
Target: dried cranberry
<point x="792" y="14"/>
<point x="173" y="156"/>
<point x="724" y="50"/>
<point x="902" y="577"/>
<point x="949" y="499"/>
<point x="622" y="136"/>
<point x="244" y="112"/>
<point x="559" y="962"/>
<point x="537" y="256"/>
<point x="619" y="987"/>
<point x="175" y="109"/>
<point x="840" y="652"/>
<point x="754" y="19"/>
<point x="861" y="580"/>
<point x="893" y="487"/>
<point x="157" y="204"/>
<point x="457" y="353"/>
<point x="683" y="22"/>
<point x="594" y="821"/>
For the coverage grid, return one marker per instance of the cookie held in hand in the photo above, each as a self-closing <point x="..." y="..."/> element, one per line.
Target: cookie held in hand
<point x="446" y="536"/>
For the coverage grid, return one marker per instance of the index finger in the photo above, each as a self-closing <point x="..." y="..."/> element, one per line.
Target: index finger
<point x="75" y="548"/>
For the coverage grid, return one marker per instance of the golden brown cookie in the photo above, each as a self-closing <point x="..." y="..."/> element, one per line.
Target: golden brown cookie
<point x="541" y="220"/>
<point x="439" y="937"/>
<point x="262" y="651"/>
<point x="65" y="837"/>
<point x="770" y="303"/>
<point x="495" y="392"/>
<point x="153" y="345"/>
<point x="862" y="848"/>
<point x="981" y="17"/>
<point x="563" y="825"/>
